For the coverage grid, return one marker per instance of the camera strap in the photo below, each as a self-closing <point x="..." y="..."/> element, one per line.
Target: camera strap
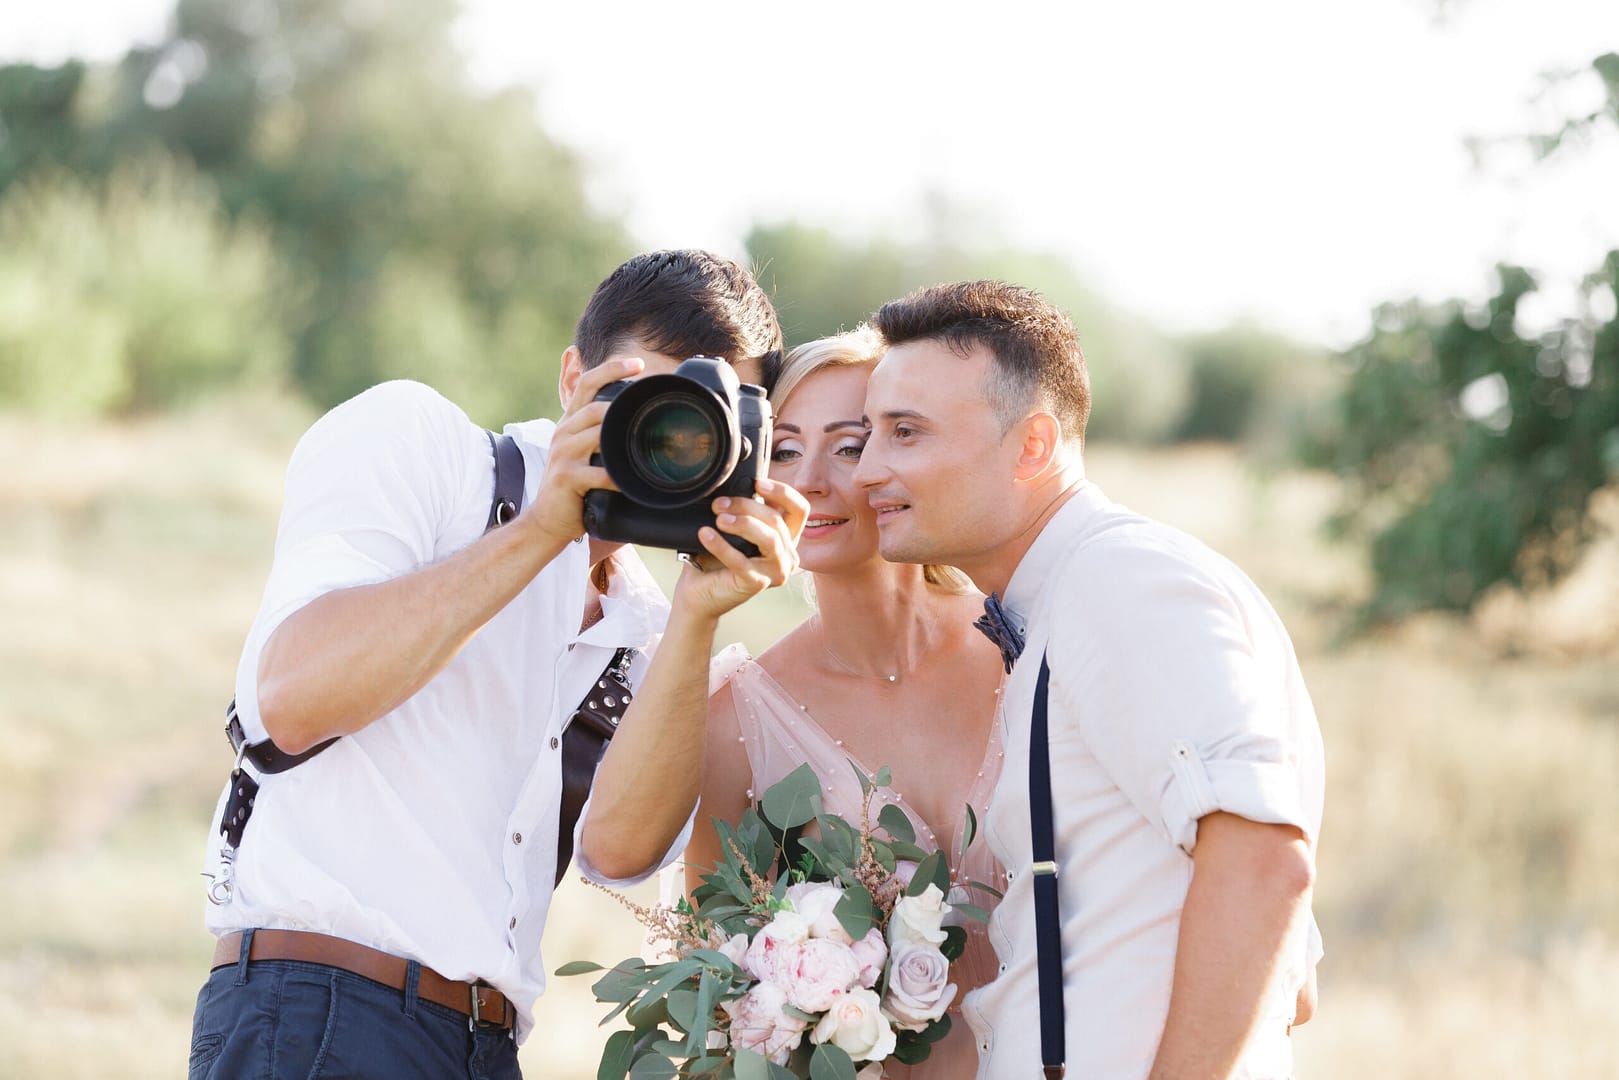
<point x="582" y="742"/>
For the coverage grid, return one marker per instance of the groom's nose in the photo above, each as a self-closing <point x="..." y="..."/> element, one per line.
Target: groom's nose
<point x="872" y="470"/>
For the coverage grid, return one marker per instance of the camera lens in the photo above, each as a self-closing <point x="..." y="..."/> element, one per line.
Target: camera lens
<point x="674" y="442"/>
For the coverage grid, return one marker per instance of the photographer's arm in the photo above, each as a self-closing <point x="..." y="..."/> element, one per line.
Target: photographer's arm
<point x="352" y="655"/>
<point x="652" y="773"/>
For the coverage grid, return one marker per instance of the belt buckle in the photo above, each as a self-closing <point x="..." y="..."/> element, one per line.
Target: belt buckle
<point x="476" y="1016"/>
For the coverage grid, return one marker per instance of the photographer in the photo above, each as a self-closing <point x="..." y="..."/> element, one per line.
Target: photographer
<point x="382" y="911"/>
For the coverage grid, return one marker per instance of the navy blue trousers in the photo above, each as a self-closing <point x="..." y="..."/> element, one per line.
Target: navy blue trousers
<point x="288" y="1020"/>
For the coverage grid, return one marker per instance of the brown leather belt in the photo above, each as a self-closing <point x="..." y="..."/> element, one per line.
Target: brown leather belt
<point x="478" y="1003"/>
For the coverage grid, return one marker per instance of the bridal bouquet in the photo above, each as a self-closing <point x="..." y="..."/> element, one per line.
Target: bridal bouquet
<point x="840" y="964"/>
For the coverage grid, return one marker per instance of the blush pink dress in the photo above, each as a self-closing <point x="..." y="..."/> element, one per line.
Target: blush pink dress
<point x="779" y="735"/>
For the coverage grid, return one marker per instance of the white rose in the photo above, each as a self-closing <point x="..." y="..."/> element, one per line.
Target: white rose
<point x="873" y="1071"/>
<point x="856" y="1025"/>
<point x="815" y="901"/>
<point x="919" y="986"/>
<point x="787" y="928"/>
<point x="918" y="919"/>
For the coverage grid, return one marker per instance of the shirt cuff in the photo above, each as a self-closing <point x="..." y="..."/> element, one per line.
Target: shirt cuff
<point x="676" y="850"/>
<point x="1259" y="790"/>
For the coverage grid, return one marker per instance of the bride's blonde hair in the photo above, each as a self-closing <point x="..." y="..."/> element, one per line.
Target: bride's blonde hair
<point x="862" y="346"/>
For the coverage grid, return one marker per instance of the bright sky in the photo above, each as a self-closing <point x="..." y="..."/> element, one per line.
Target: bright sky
<point x="1197" y="162"/>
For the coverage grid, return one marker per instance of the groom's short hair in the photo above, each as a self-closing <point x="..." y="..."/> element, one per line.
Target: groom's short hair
<point x="1034" y="348"/>
<point x="681" y="303"/>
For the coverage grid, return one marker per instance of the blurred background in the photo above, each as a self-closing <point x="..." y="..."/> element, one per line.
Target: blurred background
<point x="1346" y="280"/>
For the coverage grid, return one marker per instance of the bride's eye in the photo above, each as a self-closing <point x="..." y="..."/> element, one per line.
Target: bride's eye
<point x="850" y="450"/>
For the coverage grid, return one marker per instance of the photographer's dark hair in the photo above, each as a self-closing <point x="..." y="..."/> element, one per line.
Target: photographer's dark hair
<point x="681" y="303"/>
<point x="1035" y="349"/>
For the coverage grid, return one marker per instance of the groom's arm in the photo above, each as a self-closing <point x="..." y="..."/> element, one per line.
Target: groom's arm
<point x="1250" y="884"/>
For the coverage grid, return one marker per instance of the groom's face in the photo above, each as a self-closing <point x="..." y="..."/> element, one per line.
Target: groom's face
<point x="936" y="468"/>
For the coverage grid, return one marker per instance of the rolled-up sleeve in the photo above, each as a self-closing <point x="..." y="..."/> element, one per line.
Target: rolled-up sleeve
<point x="1164" y="664"/>
<point x="366" y="489"/>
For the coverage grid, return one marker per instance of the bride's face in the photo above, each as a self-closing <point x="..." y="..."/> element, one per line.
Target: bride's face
<point x="815" y="447"/>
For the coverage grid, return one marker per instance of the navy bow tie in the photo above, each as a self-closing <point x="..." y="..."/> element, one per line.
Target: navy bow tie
<point x="999" y="629"/>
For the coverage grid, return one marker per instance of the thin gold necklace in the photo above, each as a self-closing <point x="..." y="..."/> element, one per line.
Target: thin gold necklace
<point x="838" y="660"/>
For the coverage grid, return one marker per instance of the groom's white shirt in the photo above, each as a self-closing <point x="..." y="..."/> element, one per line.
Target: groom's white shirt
<point x="1174" y="693"/>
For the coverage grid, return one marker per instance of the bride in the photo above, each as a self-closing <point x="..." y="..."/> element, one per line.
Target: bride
<point x="888" y="671"/>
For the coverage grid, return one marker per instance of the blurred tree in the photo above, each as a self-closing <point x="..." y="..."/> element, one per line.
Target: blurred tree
<point x="1250" y="385"/>
<point x="421" y="214"/>
<point x="1471" y="443"/>
<point x="134" y="295"/>
<point x="825" y="284"/>
<point x="1471" y="447"/>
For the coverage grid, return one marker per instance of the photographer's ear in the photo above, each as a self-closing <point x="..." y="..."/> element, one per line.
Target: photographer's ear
<point x="573" y="368"/>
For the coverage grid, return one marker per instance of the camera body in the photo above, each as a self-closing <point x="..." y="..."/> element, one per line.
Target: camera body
<point x="673" y="443"/>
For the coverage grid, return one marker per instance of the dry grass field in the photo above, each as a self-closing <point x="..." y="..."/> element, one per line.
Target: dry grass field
<point x="1469" y="871"/>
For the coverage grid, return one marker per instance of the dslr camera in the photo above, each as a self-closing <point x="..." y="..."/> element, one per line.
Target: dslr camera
<point x="673" y="443"/>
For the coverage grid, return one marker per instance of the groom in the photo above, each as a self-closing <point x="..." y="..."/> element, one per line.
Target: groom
<point x="1185" y="759"/>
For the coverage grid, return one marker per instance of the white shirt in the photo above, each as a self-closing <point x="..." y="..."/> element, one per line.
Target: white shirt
<point x="1174" y="693"/>
<point x="430" y="833"/>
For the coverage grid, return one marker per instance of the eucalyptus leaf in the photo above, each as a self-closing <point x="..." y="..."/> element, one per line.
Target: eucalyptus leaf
<point x="650" y="1010"/>
<point x="856" y="912"/>
<point x="751" y="1065"/>
<point x="830" y="1063"/>
<point x="883" y="777"/>
<point x="616" y="1055"/>
<point x="653" y="1066"/>
<point x="793" y="800"/>
<point x="702" y="1017"/>
<point x="892" y="818"/>
<point x="970" y="829"/>
<point x="932" y="870"/>
<point x="683" y="1009"/>
<point x="860" y="774"/>
<point x="955" y="942"/>
<point x="578" y="967"/>
<point x="971" y="911"/>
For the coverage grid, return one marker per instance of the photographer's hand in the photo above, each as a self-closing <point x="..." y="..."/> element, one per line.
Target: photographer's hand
<point x="652" y="772"/>
<point x="714" y="583"/>
<point x="558" y="511"/>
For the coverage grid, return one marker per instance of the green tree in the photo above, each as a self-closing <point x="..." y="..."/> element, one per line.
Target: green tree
<point x="438" y="231"/>
<point x="1471" y="443"/>
<point x="1470" y="448"/>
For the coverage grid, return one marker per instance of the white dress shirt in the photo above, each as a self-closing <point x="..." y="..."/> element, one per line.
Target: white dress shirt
<point x="430" y="833"/>
<point x="1174" y="693"/>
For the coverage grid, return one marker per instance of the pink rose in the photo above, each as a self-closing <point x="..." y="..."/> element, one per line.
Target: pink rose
<point x="871" y="953"/>
<point x="857" y="1026"/>
<point x="815" y="973"/>
<point x="815" y="901"/>
<point x="736" y="949"/>
<point x="758" y="1022"/>
<point x="919" y="986"/>
<point x="787" y="928"/>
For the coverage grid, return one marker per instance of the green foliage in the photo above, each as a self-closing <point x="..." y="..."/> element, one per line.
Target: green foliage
<point x="1470" y="448"/>
<point x="824" y="284"/>
<point x="132" y="295"/>
<point x="1249" y="385"/>
<point x="436" y="231"/>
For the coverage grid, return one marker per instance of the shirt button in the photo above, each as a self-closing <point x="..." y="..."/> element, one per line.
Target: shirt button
<point x="513" y="924"/>
<point x="554" y="742"/>
<point x="1003" y="969"/>
<point x="517" y="838"/>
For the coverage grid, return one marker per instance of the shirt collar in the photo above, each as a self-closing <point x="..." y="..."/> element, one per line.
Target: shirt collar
<point x="634" y="609"/>
<point x="1050" y="548"/>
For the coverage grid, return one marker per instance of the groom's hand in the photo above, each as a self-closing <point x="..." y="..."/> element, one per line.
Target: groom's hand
<point x="713" y="583"/>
